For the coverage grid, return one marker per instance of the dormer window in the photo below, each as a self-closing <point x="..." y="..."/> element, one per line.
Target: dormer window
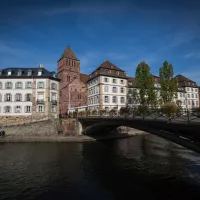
<point x="39" y="72"/>
<point x="29" y="72"/>
<point x="109" y="71"/>
<point x="9" y="72"/>
<point x="117" y="73"/>
<point x="19" y="72"/>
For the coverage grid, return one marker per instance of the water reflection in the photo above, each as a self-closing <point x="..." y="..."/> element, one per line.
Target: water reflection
<point x="142" y="166"/>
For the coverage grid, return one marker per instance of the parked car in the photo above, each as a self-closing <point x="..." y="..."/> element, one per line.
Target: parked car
<point x="2" y="132"/>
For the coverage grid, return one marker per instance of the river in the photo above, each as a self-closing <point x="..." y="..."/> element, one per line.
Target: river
<point x="141" y="167"/>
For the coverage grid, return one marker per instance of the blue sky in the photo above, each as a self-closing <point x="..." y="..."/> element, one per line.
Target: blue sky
<point x="125" y="32"/>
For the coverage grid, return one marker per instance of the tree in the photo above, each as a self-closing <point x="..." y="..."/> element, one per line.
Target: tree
<point x="168" y="84"/>
<point x="145" y="83"/>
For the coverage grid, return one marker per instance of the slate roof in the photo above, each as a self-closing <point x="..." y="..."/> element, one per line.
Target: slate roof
<point x="133" y="80"/>
<point x="108" y="69"/>
<point x="84" y="78"/>
<point x="24" y="73"/>
<point x="185" y="82"/>
<point x="68" y="53"/>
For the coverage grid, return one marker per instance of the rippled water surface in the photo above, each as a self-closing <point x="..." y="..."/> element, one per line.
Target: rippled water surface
<point x="142" y="167"/>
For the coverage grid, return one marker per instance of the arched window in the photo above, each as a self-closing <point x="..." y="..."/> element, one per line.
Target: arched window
<point x="7" y="109"/>
<point x="18" y="97"/>
<point x="18" y="85"/>
<point x="1" y="85"/>
<point x="8" y="85"/>
<point x="8" y="97"/>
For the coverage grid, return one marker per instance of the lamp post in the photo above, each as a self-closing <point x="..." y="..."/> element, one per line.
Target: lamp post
<point x="69" y="106"/>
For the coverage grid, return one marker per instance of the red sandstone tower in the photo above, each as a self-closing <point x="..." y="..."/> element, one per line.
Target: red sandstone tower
<point x="73" y="89"/>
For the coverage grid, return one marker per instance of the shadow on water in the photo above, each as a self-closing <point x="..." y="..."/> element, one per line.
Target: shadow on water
<point x="143" y="166"/>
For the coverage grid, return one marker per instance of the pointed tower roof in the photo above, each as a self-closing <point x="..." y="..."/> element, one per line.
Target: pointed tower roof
<point x="68" y="53"/>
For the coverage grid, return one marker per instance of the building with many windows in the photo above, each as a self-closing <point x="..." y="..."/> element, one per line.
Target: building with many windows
<point x="107" y="87"/>
<point x="27" y="91"/>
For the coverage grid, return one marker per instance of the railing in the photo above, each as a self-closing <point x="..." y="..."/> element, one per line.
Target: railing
<point x="39" y="101"/>
<point x="186" y="116"/>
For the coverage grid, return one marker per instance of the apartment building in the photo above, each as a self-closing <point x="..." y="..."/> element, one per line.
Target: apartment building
<point x="107" y="87"/>
<point x="28" y="91"/>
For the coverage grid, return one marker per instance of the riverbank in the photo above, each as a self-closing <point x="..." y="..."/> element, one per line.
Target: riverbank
<point x="58" y="138"/>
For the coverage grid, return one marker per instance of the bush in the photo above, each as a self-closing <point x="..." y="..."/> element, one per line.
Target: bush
<point x="112" y="112"/>
<point x="103" y="112"/>
<point x="197" y="109"/>
<point x="88" y="112"/>
<point x="142" y="110"/>
<point x="81" y="113"/>
<point x="94" y="112"/>
<point x="170" y="109"/>
<point x="125" y="110"/>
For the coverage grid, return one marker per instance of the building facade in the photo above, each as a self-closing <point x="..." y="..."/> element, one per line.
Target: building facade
<point x="107" y="87"/>
<point x="28" y="91"/>
<point x="73" y="88"/>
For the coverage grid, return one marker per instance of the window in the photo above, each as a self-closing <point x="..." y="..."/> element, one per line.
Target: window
<point x="188" y="95"/>
<point x="196" y="95"/>
<point x="183" y="94"/>
<point x="53" y="86"/>
<point x="7" y="109"/>
<point x="39" y="72"/>
<point x="9" y="72"/>
<point x="0" y="85"/>
<point x="27" y="109"/>
<point x="192" y="95"/>
<point x="40" y="108"/>
<point x="28" y="97"/>
<point x="188" y="102"/>
<point x="192" y="89"/>
<point x="122" y="90"/>
<point x="40" y="96"/>
<point x="29" y="72"/>
<point x="54" y="96"/>
<point x="117" y="72"/>
<point x="122" y="81"/>
<point x="130" y="83"/>
<point x="19" y="73"/>
<point x="109" y="71"/>
<point x="8" y="97"/>
<point x="193" y="103"/>
<point x="17" y="109"/>
<point x="8" y="85"/>
<point x="68" y="78"/>
<point x="106" y="99"/>
<point x="196" y="90"/>
<point x="114" y="90"/>
<point x="129" y="91"/>
<point x="18" y="85"/>
<point x="53" y="108"/>
<point x="40" y="84"/>
<point x="105" y="88"/>
<point x="97" y="99"/>
<point x="180" y="94"/>
<point x="114" y="80"/>
<point x="114" y="99"/>
<point x="0" y="98"/>
<point x="197" y="103"/>
<point x="28" y="84"/>
<point x="18" y="97"/>
<point x="188" y="89"/>
<point x="122" y="100"/>
<point x="106" y="80"/>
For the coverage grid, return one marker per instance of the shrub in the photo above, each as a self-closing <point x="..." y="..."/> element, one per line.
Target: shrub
<point x="81" y="113"/>
<point x="103" y="112"/>
<point x="112" y="112"/>
<point x="170" y="109"/>
<point x="197" y="109"/>
<point x="94" y="112"/>
<point x="88" y="112"/>
<point x="125" y="110"/>
<point x="142" y="110"/>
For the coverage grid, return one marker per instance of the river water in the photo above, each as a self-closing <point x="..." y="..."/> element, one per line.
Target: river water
<point x="135" y="168"/>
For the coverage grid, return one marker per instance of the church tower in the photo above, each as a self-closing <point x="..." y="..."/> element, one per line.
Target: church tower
<point x="68" y="73"/>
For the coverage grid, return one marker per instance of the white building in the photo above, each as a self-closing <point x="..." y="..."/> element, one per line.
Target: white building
<point x="27" y="91"/>
<point x="107" y="87"/>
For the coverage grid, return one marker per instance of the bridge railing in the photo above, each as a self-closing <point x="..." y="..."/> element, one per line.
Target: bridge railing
<point x="186" y="116"/>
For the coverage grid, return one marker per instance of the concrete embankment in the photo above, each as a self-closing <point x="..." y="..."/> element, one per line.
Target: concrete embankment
<point x="53" y="138"/>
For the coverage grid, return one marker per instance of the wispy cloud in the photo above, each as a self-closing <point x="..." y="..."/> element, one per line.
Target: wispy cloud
<point x="195" y="55"/>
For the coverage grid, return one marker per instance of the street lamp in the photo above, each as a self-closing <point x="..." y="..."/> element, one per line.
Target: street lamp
<point x="69" y="106"/>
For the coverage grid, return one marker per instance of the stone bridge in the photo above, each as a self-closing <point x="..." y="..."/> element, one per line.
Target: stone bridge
<point x="182" y="133"/>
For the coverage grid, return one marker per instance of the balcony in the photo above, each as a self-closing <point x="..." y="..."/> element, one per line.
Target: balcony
<point x="40" y="101"/>
<point x="54" y="102"/>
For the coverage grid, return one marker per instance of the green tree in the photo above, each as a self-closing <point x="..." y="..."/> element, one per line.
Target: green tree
<point x="145" y="83"/>
<point x="168" y="84"/>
